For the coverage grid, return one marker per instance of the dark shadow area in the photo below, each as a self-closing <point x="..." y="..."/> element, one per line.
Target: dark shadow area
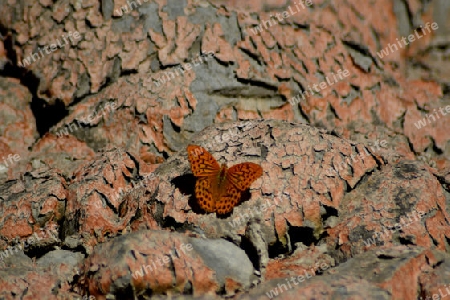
<point x="276" y="249"/>
<point x="408" y="240"/>
<point x="47" y="115"/>
<point x="35" y="251"/>
<point x="251" y="252"/>
<point x="125" y="292"/>
<point x="10" y="69"/>
<point x="170" y="222"/>
<point x="303" y="235"/>
<point x="186" y="185"/>
<point x="224" y="216"/>
<point x="330" y="212"/>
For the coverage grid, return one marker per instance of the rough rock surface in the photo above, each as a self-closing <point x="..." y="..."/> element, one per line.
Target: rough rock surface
<point x="385" y="273"/>
<point x="151" y="262"/>
<point x="96" y="193"/>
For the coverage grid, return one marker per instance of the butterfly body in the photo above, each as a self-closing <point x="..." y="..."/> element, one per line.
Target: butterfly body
<point x="219" y="182"/>
<point x="222" y="175"/>
<point x="218" y="188"/>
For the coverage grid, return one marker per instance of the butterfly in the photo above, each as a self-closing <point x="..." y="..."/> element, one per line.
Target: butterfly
<point x="219" y="188"/>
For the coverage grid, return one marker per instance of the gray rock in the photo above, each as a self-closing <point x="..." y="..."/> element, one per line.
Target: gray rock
<point x="57" y="257"/>
<point x="228" y="260"/>
<point x="15" y="259"/>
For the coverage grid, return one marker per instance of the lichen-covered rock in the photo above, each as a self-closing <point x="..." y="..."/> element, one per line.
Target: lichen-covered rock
<point x="152" y="262"/>
<point x="306" y="171"/>
<point x="100" y="199"/>
<point x="399" y="272"/>
<point x="32" y="207"/>
<point x="403" y="203"/>
<point x="234" y="48"/>
<point x="50" y="278"/>
<point x="136" y="81"/>
<point x="17" y="125"/>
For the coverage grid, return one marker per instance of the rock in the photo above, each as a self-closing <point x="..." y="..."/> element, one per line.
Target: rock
<point x="231" y="273"/>
<point x="381" y="273"/>
<point x="159" y="262"/>
<point x="392" y="207"/>
<point x="351" y="136"/>
<point x="58" y="257"/>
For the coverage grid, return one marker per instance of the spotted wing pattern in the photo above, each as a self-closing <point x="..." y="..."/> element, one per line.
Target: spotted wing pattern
<point x="204" y="195"/>
<point x="202" y="162"/>
<point x="229" y="200"/>
<point x="205" y="167"/>
<point x="243" y="175"/>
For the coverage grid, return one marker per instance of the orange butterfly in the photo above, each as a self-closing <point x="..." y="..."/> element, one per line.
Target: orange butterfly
<point x="218" y="189"/>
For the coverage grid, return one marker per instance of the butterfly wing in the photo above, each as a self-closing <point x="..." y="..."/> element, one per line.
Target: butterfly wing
<point x="229" y="200"/>
<point x="238" y="178"/>
<point x="205" y="167"/>
<point x="204" y="195"/>
<point x="202" y="162"/>
<point x="243" y="175"/>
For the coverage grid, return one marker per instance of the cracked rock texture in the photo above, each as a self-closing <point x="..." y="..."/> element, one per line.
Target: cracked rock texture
<point x="99" y="99"/>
